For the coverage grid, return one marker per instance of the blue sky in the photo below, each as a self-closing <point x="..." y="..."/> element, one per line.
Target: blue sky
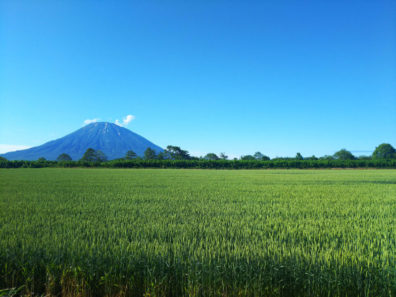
<point x="278" y="77"/>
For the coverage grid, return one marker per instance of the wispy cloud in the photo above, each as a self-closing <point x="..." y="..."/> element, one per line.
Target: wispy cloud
<point x="5" y="148"/>
<point x="88" y="121"/>
<point x="125" y="121"/>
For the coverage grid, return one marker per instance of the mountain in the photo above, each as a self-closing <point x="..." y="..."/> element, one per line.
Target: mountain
<point x="114" y="141"/>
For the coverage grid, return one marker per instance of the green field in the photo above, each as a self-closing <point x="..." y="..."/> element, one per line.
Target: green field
<point x="148" y="232"/>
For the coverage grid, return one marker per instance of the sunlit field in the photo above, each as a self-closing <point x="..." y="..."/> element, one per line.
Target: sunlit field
<point x="157" y="232"/>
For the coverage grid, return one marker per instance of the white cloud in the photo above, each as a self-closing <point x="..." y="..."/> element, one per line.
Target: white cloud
<point x="125" y="121"/>
<point x="88" y="121"/>
<point x="5" y="148"/>
<point x="128" y="119"/>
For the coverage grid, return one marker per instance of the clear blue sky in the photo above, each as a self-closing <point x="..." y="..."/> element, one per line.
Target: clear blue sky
<point x="278" y="77"/>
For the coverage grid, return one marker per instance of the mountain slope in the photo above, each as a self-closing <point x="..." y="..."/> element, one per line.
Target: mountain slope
<point x="111" y="139"/>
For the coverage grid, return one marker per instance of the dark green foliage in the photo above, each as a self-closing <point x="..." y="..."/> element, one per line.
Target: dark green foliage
<point x="248" y="158"/>
<point x="260" y="157"/>
<point x="344" y="155"/>
<point x="326" y="157"/>
<point x="211" y="156"/>
<point x="100" y="156"/>
<point x="11" y="292"/>
<point x="149" y="154"/>
<point x="89" y="155"/>
<point x="173" y="158"/>
<point x="299" y="157"/>
<point x="312" y="158"/>
<point x="92" y="155"/>
<point x="163" y="156"/>
<point x="223" y="156"/>
<point x="384" y="151"/>
<point x="210" y="164"/>
<point x="175" y="153"/>
<point x="364" y="158"/>
<point x="42" y="159"/>
<point x="130" y="155"/>
<point x="63" y="157"/>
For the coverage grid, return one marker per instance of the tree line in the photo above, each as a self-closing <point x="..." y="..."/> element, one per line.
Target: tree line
<point x="383" y="151"/>
<point x="384" y="156"/>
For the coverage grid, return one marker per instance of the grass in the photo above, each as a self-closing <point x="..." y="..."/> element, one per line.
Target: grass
<point x="148" y="232"/>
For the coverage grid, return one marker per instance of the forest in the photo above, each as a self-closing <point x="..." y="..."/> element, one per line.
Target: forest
<point x="384" y="156"/>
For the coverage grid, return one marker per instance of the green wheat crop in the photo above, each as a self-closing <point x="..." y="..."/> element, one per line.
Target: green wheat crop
<point x="115" y="232"/>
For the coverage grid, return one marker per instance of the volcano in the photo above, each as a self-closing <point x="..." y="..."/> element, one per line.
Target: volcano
<point x="114" y="141"/>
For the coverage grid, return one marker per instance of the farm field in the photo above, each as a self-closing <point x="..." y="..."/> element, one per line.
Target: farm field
<point x="164" y="232"/>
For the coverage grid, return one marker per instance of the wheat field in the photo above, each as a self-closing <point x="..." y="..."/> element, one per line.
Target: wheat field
<point x="164" y="232"/>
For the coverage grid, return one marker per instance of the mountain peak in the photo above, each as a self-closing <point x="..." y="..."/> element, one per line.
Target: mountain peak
<point x="114" y="141"/>
<point x="102" y="124"/>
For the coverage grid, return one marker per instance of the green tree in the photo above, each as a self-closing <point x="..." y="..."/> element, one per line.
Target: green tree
<point x="364" y="158"/>
<point x="248" y="158"/>
<point x="130" y="155"/>
<point x="299" y="157"/>
<point x="384" y="151"/>
<point x="163" y="156"/>
<point x="63" y="157"/>
<point x="41" y="159"/>
<point x="149" y="154"/>
<point x="312" y="158"/>
<point x="343" y="154"/>
<point x="89" y="155"/>
<point x="326" y="157"/>
<point x="223" y="156"/>
<point x="176" y="153"/>
<point x="260" y="157"/>
<point x="3" y="159"/>
<point x="211" y="156"/>
<point x="100" y="156"/>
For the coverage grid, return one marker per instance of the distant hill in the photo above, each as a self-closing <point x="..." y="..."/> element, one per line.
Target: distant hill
<point x="111" y="139"/>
